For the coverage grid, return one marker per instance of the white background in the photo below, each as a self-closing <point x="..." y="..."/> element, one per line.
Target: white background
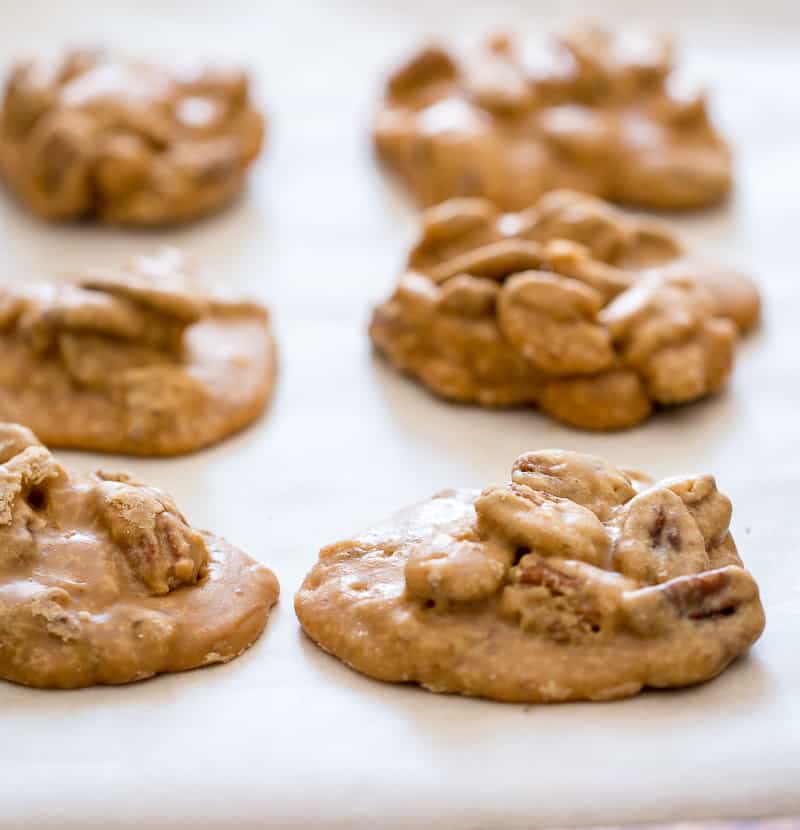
<point x="286" y="736"/>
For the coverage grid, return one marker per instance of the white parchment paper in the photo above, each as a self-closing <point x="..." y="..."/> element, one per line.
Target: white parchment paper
<point x="286" y="737"/>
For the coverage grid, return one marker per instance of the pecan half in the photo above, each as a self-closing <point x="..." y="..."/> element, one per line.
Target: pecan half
<point x="583" y="479"/>
<point x="702" y="598"/>
<point x="162" y="550"/>
<point x="552" y="321"/>
<point x="530" y="520"/>
<point x="658" y="538"/>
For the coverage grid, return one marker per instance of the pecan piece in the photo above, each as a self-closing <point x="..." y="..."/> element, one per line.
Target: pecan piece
<point x="455" y="222"/>
<point x="571" y="259"/>
<point x="577" y="217"/>
<point x="565" y="600"/>
<point x="700" y="598"/>
<point x="552" y="321"/>
<point x="454" y="571"/>
<point x="583" y="479"/>
<point x="709" y="508"/>
<point x="496" y="261"/>
<point x="469" y="296"/>
<point x="160" y="282"/>
<point x="31" y="467"/>
<point x="428" y="66"/>
<point x="161" y="549"/>
<point x="658" y="538"/>
<point x="497" y="83"/>
<point x="529" y="520"/>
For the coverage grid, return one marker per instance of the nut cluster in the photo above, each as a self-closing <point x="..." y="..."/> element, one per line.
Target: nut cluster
<point x="594" y="111"/>
<point x="574" y="548"/>
<point x="588" y="313"/>
<point x="98" y="136"/>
